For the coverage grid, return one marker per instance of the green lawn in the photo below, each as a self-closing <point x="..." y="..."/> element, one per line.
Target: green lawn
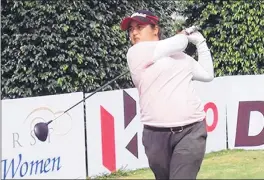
<point x="235" y="164"/>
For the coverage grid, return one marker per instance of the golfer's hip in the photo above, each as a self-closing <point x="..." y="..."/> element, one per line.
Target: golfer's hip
<point x="171" y="122"/>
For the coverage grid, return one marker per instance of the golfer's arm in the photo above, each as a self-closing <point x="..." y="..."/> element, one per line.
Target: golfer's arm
<point x="137" y="62"/>
<point x="170" y="46"/>
<point x="203" y="70"/>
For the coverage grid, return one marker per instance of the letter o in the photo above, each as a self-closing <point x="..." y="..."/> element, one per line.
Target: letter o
<point x="25" y="164"/>
<point x="212" y="106"/>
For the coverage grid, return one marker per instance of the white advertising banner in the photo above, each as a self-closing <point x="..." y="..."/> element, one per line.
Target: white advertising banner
<point x="245" y="112"/>
<point x="213" y="98"/>
<point x="61" y="156"/>
<point x="233" y="105"/>
<point x="114" y="132"/>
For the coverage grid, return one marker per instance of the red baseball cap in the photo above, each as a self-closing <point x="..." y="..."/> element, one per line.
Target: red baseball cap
<point x="142" y="17"/>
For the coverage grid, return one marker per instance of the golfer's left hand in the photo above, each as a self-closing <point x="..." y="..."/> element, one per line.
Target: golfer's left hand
<point x="196" y="38"/>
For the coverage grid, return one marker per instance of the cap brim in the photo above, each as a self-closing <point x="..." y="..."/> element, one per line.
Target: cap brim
<point x="126" y="22"/>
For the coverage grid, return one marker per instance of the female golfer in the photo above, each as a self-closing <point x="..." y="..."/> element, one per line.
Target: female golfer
<point x="174" y="135"/>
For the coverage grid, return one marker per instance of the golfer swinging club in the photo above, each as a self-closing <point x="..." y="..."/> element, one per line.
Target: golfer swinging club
<point x="174" y="134"/>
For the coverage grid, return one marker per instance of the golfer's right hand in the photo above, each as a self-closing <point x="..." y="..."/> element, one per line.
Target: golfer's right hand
<point x="196" y="38"/>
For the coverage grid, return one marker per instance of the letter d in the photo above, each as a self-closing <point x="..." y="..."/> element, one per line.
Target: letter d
<point x="243" y="119"/>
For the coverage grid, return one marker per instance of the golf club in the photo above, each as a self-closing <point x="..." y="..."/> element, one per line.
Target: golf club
<point x="41" y="129"/>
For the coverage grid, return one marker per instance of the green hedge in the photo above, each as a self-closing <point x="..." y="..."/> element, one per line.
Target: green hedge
<point x="235" y="33"/>
<point x="51" y="47"/>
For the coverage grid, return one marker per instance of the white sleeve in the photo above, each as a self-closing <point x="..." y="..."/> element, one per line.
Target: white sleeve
<point x="170" y="46"/>
<point x="203" y="70"/>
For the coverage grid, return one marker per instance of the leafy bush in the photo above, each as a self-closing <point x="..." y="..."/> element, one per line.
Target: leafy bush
<point x="51" y="47"/>
<point x="234" y="30"/>
<point x="59" y="46"/>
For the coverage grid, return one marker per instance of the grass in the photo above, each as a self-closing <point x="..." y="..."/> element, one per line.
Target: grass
<point x="235" y="164"/>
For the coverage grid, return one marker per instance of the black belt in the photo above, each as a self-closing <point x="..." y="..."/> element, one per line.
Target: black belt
<point x="169" y="129"/>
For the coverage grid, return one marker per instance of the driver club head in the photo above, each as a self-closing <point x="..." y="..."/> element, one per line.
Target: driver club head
<point x="41" y="131"/>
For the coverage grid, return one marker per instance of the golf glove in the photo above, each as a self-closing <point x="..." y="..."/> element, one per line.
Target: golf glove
<point x="196" y="38"/>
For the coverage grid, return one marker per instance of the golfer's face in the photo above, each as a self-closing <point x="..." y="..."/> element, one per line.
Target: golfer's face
<point x="139" y="33"/>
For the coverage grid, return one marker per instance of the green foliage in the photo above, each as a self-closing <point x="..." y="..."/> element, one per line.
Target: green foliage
<point x="235" y="34"/>
<point x="51" y="47"/>
<point x="59" y="46"/>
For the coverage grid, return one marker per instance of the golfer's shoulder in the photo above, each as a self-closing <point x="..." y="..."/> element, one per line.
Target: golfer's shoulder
<point x="182" y="57"/>
<point x="142" y="48"/>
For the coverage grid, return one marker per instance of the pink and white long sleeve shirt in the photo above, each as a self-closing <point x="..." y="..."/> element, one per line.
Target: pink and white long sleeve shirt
<point x="163" y="75"/>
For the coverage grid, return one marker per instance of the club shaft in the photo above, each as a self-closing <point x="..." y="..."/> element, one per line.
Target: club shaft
<point x="49" y="122"/>
<point x="98" y="89"/>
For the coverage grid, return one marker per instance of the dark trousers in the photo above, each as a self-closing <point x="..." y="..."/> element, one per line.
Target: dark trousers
<point x="176" y="154"/>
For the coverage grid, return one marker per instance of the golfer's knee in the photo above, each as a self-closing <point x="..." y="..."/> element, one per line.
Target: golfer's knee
<point x="184" y="171"/>
<point x="159" y="171"/>
<point x="159" y="167"/>
<point x="157" y="163"/>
